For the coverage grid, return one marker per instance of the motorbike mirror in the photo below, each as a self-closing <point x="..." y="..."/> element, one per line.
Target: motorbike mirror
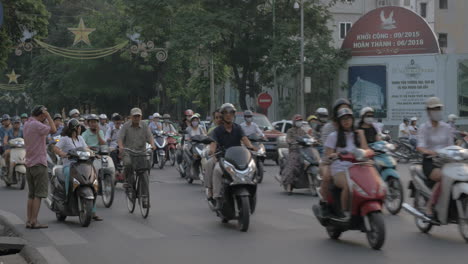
<point x="265" y="128"/>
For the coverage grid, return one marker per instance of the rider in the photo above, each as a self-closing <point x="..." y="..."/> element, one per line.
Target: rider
<point x="112" y="136"/>
<point x="103" y="125"/>
<point x="94" y="137"/>
<point x="228" y="135"/>
<point x="433" y="135"/>
<point x="71" y="140"/>
<point x="367" y="125"/>
<point x="413" y="129"/>
<point x="133" y="135"/>
<point x="293" y="163"/>
<point x="249" y="126"/>
<point x="4" y="129"/>
<point x="186" y="121"/>
<point x="344" y="139"/>
<point x="194" y="129"/>
<point x="322" y="115"/>
<point x="24" y="118"/>
<point x="167" y="126"/>
<point x="403" y="130"/>
<point x="217" y="121"/>
<point x="155" y="125"/>
<point x="313" y="123"/>
<point x="15" y="132"/>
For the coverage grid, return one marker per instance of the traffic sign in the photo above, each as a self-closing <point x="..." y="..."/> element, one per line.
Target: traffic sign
<point x="264" y="100"/>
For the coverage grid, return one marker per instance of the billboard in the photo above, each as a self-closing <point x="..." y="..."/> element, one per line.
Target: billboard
<point x="368" y="87"/>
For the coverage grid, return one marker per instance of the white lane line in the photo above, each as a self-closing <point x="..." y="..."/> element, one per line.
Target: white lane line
<point x="52" y="255"/>
<point x="135" y="229"/>
<point x="64" y="237"/>
<point x="12" y="218"/>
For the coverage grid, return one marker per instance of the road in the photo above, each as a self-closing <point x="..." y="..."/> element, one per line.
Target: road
<point x="181" y="229"/>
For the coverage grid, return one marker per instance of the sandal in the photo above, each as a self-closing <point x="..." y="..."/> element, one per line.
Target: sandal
<point x="39" y="226"/>
<point x="28" y="225"/>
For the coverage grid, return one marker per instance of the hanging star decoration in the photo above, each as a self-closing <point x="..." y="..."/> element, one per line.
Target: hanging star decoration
<point x="12" y="82"/>
<point x="82" y="33"/>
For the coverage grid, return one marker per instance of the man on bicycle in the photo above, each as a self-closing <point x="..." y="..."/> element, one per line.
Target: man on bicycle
<point x="134" y="135"/>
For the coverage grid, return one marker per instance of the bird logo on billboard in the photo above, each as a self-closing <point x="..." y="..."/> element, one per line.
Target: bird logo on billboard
<point x="387" y="22"/>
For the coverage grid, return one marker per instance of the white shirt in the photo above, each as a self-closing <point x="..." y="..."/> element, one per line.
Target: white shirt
<point x="413" y="129"/>
<point x="191" y="132"/>
<point x="251" y="129"/>
<point x="66" y="144"/>
<point x="404" y="128"/>
<point x="332" y="139"/>
<point x="435" y="138"/>
<point x="113" y="135"/>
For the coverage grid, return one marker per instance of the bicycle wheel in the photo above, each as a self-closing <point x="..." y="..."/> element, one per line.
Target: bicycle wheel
<point x="131" y="198"/>
<point x="143" y="194"/>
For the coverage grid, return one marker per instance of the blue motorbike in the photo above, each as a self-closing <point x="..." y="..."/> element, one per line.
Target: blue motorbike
<point x="386" y="166"/>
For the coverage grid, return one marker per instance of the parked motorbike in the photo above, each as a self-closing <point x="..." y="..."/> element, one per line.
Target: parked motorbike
<point x="259" y="156"/>
<point x="104" y="166"/>
<point x="239" y="187"/>
<point x="452" y="205"/>
<point x="17" y="168"/>
<point x="367" y="195"/>
<point x="194" y="161"/>
<point x="309" y="177"/>
<point x="159" y="154"/>
<point x="386" y="166"/>
<point x="171" y="148"/>
<point x="77" y="196"/>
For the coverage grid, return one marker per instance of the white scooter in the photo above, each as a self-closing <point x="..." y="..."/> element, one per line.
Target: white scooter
<point x="17" y="170"/>
<point x="452" y="205"/>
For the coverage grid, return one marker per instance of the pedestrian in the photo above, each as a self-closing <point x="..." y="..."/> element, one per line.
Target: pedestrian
<point x="35" y="132"/>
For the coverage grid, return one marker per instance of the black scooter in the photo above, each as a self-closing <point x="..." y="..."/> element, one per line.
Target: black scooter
<point x="83" y="186"/>
<point x="239" y="187"/>
<point x="259" y="155"/>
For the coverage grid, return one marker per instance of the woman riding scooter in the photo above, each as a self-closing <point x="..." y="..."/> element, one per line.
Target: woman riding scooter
<point x="345" y="139"/>
<point x="366" y="124"/>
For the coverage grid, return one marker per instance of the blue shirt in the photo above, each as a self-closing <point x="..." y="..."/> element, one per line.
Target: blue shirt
<point x="3" y="131"/>
<point x="11" y="134"/>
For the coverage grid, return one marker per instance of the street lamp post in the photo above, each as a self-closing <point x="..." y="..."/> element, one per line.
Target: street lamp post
<point x="301" y="57"/>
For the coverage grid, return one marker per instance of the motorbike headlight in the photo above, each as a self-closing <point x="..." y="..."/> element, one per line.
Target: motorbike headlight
<point x="243" y="175"/>
<point x="83" y="155"/>
<point x="261" y="151"/>
<point x="76" y="183"/>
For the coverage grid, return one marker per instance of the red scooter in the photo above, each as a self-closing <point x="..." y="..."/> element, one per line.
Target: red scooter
<point x="171" y="147"/>
<point x="367" y="194"/>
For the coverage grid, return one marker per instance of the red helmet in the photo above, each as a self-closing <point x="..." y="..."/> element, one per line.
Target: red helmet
<point x="297" y="117"/>
<point x="188" y="112"/>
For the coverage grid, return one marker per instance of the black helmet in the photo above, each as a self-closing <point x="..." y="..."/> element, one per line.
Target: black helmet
<point x="92" y="117"/>
<point x="338" y="102"/>
<point x="117" y="117"/>
<point x="405" y="119"/>
<point x="37" y="110"/>
<point x="73" y="124"/>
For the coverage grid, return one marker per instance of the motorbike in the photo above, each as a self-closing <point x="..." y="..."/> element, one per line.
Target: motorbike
<point x="309" y="177"/>
<point x="406" y="152"/>
<point x="104" y="166"/>
<point x="239" y="187"/>
<point x="386" y="166"/>
<point x="77" y="196"/>
<point x="171" y="148"/>
<point x="259" y="156"/>
<point x="159" y="155"/>
<point x="17" y="168"/>
<point x="194" y="161"/>
<point x="452" y="204"/>
<point x="367" y="193"/>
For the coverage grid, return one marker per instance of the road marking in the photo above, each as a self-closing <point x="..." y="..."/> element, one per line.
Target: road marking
<point x="52" y="255"/>
<point x="136" y="230"/>
<point x="12" y="218"/>
<point x="64" y="236"/>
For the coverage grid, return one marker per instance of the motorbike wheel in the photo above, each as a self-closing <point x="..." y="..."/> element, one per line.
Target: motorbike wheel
<point x="60" y="217"/>
<point x="463" y="221"/>
<point x="395" y="195"/>
<point x="172" y="157"/>
<point x="162" y="161"/>
<point x="144" y="199"/>
<point x="313" y="184"/>
<point x="420" y="204"/>
<point x="108" y="189"/>
<point x="21" y="177"/>
<point x="244" y="213"/>
<point x="86" y="211"/>
<point x="376" y="236"/>
<point x="260" y="172"/>
<point x="333" y="232"/>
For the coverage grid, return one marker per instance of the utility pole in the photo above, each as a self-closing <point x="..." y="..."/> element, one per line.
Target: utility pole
<point x="301" y="93"/>
<point x="212" y="87"/>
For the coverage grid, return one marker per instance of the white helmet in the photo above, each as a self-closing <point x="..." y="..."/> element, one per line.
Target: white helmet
<point x="365" y="110"/>
<point x="414" y="118"/>
<point x="156" y="115"/>
<point x="74" y="111"/>
<point x="452" y="117"/>
<point x="102" y="116"/>
<point x="322" y="111"/>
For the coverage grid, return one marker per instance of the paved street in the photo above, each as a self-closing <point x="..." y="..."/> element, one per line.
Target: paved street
<point x="181" y="229"/>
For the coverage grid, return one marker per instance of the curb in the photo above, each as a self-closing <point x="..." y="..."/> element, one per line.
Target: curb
<point x="29" y="253"/>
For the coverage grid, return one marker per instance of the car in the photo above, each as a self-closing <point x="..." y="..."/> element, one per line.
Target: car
<point x="284" y="125"/>
<point x="270" y="132"/>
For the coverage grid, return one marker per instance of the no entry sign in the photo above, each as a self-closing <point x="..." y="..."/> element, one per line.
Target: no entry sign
<point x="264" y="100"/>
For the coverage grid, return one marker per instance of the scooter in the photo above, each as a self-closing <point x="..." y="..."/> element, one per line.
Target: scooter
<point x="259" y="156"/>
<point x="17" y="170"/>
<point x="386" y="166"/>
<point x="310" y="159"/>
<point x="78" y="196"/>
<point x="159" y="154"/>
<point x="104" y="166"/>
<point x="239" y="187"/>
<point x="452" y="204"/>
<point x="171" y="148"/>
<point x="367" y="193"/>
<point x="406" y="152"/>
<point x="194" y="161"/>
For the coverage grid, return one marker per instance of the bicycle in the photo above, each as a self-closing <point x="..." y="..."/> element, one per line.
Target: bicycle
<point x="139" y="188"/>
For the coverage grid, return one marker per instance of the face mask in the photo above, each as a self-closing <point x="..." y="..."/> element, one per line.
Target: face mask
<point x="313" y="125"/>
<point x="195" y="123"/>
<point x="436" y="115"/>
<point x="298" y="123"/>
<point x="368" y="120"/>
<point x="248" y="119"/>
